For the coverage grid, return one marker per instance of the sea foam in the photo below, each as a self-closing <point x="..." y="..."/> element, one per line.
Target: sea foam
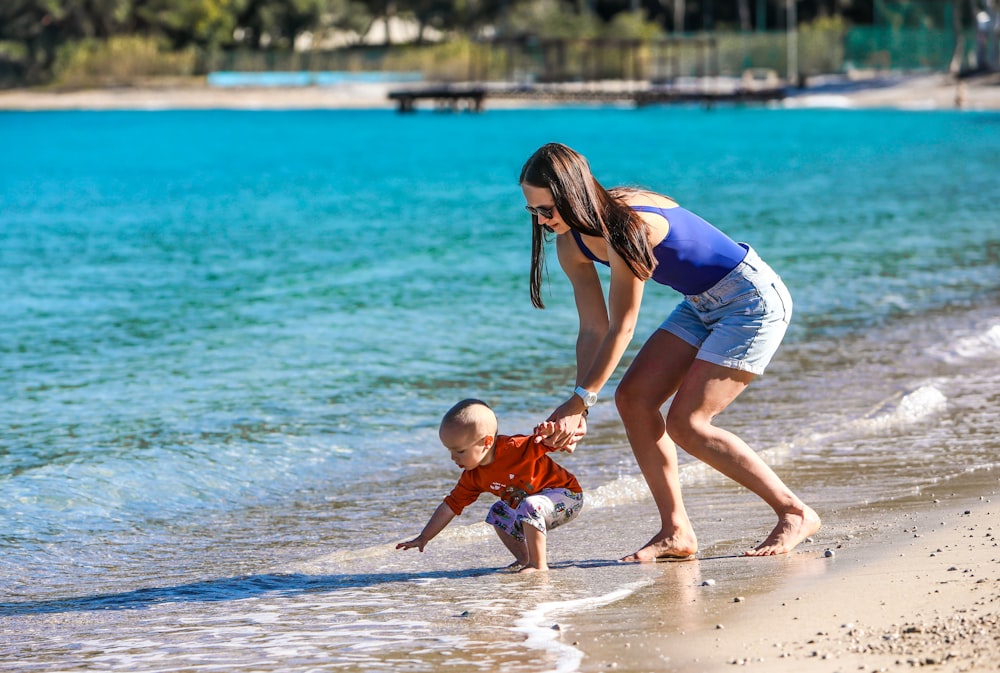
<point x="982" y="346"/>
<point x="903" y="409"/>
<point x="543" y="635"/>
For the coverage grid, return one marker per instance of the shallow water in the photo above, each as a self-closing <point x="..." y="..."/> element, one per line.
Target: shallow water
<point x="229" y="337"/>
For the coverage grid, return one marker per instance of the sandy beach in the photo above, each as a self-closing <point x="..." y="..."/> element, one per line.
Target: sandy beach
<point x="923" y="92"/>
<point x="910" y="584"/>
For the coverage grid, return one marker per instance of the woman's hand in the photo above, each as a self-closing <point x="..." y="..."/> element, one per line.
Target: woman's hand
<point x="565" y="427"/>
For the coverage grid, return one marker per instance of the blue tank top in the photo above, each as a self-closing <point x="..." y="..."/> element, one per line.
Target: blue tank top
<point x="693" y="257"/>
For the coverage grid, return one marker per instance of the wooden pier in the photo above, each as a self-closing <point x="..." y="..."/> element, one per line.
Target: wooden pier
<point x="656" y="96"/>
<point x="451" y="98"/>
<point x="473" y="98"/>
<point x="583" y="70"/>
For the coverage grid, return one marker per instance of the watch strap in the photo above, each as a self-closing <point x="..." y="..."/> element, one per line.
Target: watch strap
<point x="589" y="398"/>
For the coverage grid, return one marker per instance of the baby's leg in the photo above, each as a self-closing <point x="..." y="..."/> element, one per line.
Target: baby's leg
<point x="541" y="513"/>
<point x="534" y="540"/>
<point x="504" y="521"/>
<point x="515" y="547"/>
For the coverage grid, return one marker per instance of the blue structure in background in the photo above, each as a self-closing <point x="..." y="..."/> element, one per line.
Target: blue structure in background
<point x="226" y="79"/>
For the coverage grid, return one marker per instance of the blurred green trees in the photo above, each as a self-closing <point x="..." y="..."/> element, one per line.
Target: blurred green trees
<point x="40" y="38"/>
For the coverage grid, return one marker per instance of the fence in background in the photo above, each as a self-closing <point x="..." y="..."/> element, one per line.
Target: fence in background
<point x="534" y="60"/>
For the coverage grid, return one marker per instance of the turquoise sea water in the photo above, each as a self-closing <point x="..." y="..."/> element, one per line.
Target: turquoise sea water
<point x="227" y="339"/>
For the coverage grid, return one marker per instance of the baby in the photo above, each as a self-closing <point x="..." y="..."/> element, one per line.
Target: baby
<point x="536" y="493"/>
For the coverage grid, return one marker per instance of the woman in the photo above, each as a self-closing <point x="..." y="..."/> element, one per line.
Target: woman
<point x="723" y="334"/>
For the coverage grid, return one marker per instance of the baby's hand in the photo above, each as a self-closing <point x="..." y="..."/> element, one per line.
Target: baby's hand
<point x="410" y="544"/>
<point x="543" y="431"/>
<point x="546" y="429"/>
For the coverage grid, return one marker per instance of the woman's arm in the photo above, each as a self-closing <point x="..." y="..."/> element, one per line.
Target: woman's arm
<point x="588" y="294"/>
<point x="624" y="301"/>
<point x="605" y="329"/>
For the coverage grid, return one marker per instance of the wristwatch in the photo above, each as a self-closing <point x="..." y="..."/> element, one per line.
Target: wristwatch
<point x="589" y="398"/>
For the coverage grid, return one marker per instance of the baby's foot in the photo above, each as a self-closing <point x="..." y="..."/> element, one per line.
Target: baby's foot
<point x="532" y="569"/>
<point x="516" y="565"/>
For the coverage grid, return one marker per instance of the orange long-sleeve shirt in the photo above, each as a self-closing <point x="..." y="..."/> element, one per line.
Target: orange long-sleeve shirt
<point x="519" y="467"/>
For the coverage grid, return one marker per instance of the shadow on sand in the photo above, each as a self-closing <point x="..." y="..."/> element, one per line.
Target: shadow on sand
<point x="228" y="589"/>
<point x="250" y="586"/>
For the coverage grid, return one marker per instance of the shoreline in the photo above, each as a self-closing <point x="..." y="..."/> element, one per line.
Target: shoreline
<point x="890" y="587"/>
<point x="923" y="92"/>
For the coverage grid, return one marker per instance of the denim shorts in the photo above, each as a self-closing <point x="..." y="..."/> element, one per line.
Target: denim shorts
<point x="545" y="510"/>
<point x="738" y="322"/>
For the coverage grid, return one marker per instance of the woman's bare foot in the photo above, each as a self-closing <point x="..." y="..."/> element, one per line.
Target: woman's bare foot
<point x="792" y="528"/>
<point x="675" y="547"/>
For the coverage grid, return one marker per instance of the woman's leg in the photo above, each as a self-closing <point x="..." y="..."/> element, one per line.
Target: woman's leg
<point x="655" y="374"/>
<point x="705" y="391"/>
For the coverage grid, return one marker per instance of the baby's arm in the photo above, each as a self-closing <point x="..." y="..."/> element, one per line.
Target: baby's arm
<point x="442" y="517"/>
<point x="546" y="429"/>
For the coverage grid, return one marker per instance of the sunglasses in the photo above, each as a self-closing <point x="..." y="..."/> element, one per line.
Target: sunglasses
<point x="539" y="211"/>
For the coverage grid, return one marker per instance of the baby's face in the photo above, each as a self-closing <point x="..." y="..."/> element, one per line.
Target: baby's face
<point x="468" y="450"/>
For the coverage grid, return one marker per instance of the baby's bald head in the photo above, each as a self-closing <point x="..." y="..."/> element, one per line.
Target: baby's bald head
<point x="472" y="416"/>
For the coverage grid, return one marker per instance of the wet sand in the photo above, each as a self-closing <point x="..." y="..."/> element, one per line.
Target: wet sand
<point x="894" y="586"/>
<point x="926" y="92"/>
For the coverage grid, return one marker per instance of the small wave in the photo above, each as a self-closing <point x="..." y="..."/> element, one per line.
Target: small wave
<point x="622" y="490"/>
<point x="323" y="563"/>
<point x="985" y="345"/>
<point x="903" y="410"/>
<point x="628" y="489"/>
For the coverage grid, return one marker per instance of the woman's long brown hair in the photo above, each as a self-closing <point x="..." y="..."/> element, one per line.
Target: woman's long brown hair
<point x="586" y="207"/>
